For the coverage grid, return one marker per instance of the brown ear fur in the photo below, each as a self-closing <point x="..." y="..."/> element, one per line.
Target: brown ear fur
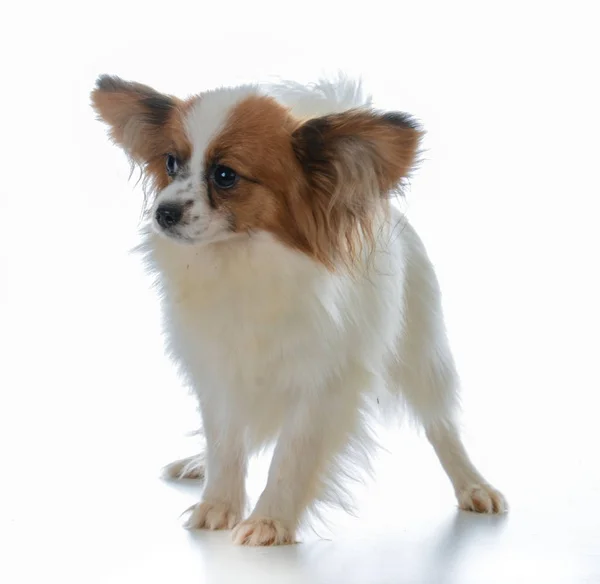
<point x="137" y="115"/>
<point x="352" y="161"/>
<point x="145" y="123"/>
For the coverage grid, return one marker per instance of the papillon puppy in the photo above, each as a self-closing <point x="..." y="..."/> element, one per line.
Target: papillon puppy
<point x="294" y="292"/>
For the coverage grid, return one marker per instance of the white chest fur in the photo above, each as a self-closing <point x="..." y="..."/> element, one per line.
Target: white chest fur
<point x="255" y="320"/>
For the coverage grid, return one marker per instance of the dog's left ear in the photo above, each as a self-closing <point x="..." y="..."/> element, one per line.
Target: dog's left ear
<point x="351" y="162"/>
<point x="358" y="151"/>
<point x="137" y="116"/>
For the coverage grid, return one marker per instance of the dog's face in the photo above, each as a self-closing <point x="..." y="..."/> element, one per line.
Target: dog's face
<point x="231" y="162"/>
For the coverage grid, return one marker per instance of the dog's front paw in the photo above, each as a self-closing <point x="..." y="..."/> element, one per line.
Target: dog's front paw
<point x="186" y="468"/>
<point x="212" y="515"/>
<point x="482" y="499"/>
<point x="258" y="531"/>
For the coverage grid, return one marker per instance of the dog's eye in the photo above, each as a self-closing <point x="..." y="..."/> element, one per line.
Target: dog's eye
<point x="172" y="165"/>
<point x="224" y="177"/>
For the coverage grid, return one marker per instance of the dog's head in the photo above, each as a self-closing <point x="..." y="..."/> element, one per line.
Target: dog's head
<point x="230" y="162"/>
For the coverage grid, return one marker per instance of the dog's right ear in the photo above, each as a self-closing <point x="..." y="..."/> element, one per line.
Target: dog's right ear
<point x="142" y="121"/>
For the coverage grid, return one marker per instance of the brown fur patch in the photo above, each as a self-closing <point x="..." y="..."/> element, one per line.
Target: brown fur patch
<point x="352" y="161"/>
<point x="256" y="143"/>
<point x="145" y="123"/>
<point x="316" y="186"/>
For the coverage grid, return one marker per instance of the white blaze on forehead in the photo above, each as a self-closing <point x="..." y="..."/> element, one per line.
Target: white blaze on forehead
<point x="208" y="116"/>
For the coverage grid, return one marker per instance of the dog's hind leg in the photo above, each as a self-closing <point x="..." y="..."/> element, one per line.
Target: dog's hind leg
<point x="191" y="467"/>
<point x="424" y="372"/>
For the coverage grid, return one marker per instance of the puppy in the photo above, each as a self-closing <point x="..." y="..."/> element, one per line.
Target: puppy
<point x="293" y="291"/>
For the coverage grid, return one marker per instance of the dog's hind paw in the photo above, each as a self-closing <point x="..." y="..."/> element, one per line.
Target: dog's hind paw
<point x="185" y="468"/>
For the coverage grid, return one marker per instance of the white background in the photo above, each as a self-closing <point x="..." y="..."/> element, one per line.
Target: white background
<point x="506" y="200"/>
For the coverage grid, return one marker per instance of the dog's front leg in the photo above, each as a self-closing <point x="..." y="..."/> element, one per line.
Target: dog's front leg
<point x="317" y="429"/>
<point x="224" y="496"/>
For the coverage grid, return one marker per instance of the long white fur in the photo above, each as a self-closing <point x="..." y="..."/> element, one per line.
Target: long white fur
<point x="276" y="347"/>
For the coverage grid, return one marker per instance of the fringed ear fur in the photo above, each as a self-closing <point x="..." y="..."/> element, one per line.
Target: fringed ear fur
<point x="142" y="120"/>
<point x="351" y="162"/>
<point x="147" y="124"/>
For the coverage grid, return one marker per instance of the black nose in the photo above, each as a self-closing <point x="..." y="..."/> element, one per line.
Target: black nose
<point x="168" y="215"/>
